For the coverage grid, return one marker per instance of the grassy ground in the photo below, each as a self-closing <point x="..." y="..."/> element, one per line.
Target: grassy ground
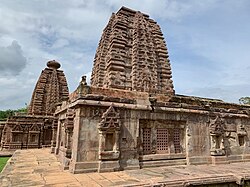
<point x="3" y="161"/>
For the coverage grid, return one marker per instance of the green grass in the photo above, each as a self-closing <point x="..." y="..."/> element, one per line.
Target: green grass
<point x="3" y="161"/>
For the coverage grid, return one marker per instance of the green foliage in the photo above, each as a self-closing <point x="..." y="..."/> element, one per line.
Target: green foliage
<point x="22" y="110"/>
<point x="244" y="100"/>
<point x="4" y="114"/>
<point x="3" y="161"/>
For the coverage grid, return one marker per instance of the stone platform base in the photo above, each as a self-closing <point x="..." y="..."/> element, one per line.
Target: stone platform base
<point x="202" y="160"/>
<point x="38" y="167"/>
<point x="83" y="167"/>
<point x="108" y="166"/>
<point x="147" y="164"/>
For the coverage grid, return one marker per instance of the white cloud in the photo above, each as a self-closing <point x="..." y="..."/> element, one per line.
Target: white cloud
<point x="60" y="43"/>
<point x="12" y="61"/>
<point x="223" y="92"/>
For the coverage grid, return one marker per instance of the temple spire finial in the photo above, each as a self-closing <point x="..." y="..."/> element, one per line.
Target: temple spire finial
<point x="53" y="64"/>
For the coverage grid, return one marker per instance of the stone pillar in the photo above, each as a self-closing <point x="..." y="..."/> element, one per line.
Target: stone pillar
<point x="54" y="132"/>
<point x="75" y="165"/>
<point x="58" y="137"/>
<point x="116" y="144"/>
<point x="68" y="143"/>
<point x="101" y="143"/>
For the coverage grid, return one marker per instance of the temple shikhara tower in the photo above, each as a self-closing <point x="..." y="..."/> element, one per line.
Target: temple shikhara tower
<point x="132" y="55"/>
<point x="50" y="89"/>
<point x="34" y="129"/>
<point x="130" y="117"/>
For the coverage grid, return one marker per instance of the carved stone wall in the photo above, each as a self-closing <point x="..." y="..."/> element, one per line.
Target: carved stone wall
<point x="132" y="55"/>
<point x="23" y="132"/>
<point x="183" y="130"/>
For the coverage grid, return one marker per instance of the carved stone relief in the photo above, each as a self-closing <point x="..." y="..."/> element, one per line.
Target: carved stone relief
<point x="136" y="60"/>
<point x="225" y="136"/>
<point x="217" y="134"/>
<point x="109" y="130"/>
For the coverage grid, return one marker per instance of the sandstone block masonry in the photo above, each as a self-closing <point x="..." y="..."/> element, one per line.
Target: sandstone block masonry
<point x="132" y="55"/>
<point x="130" y="117"/>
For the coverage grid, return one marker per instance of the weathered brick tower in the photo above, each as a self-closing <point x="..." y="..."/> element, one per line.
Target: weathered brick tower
<point x="34" y="130"/>
<point x="130" y="117"/>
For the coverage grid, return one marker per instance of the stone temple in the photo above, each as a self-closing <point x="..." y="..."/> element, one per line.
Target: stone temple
<point x="130" y="117"/>
<point x="34" y="130"/>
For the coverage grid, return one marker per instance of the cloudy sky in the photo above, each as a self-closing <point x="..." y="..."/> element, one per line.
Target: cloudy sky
<point x="208" y="43"/>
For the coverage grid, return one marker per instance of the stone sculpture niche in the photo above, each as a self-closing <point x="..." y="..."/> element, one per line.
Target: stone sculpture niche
<point x="242" y="134"/>
<point x="109" y="150"/>
<point x="217" y="134"/>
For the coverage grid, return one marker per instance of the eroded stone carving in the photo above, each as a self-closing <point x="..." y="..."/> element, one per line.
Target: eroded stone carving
<point x="241" y="134"/>
<point x="83" y="88"/>
<point x="110" y="120"/>
<point x="51" y="88"/>
<point x="138" y="57"/>
<point x="109" y="130"/>
<point x="217" y="130"/>
<point x="241" y="130"/>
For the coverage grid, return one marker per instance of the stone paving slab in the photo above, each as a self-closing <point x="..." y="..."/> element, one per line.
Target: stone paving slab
<point x="6" y="153"/>
<point x="37" y="167"/>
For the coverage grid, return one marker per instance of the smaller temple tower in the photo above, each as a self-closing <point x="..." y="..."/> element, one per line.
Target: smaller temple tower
<point x="50" y="89"/>
<point x="34" y="129"/>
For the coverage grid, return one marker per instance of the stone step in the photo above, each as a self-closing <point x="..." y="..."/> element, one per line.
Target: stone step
<point x="146" y="164"/>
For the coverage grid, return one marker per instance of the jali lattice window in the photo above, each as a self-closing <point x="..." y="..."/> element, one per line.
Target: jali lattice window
<point x="177" y="144"/>
<point x="162" y="140"/>
<point x="146" y="140"/>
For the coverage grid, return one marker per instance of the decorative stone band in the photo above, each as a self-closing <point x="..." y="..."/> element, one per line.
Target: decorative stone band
<point x="141" y="107"/>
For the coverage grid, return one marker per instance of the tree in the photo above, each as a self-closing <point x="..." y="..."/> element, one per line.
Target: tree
<point x="244" y="100"/>
<point x="4" y="114"/>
